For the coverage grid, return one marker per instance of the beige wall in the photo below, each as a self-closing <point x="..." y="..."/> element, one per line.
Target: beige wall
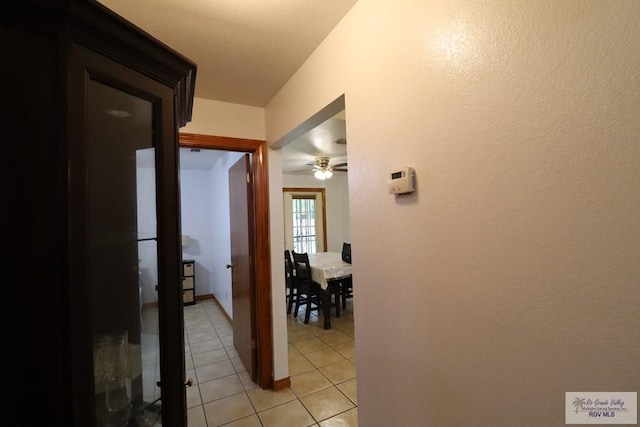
<point x="278" y="303"/>
<point x="512" y="275"/>
<point x="226" y="119"/>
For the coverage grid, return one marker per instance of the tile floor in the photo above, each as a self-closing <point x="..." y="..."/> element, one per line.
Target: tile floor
<point x="321" y="368"/>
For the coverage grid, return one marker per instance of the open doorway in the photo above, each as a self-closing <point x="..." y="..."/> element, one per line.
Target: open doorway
<point x="319" y="144"/>
<point x="261" y="285"/>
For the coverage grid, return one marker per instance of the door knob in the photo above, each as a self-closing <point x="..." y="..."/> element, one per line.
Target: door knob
<point x="189" y="382"/>
<point x="229" y="265"/>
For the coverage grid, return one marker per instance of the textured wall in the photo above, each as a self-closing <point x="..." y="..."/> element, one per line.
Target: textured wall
<point x="512" y="275"/>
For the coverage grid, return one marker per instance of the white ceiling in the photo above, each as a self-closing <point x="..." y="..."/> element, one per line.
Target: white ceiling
<point x="318" y="142"/>
<point x="245" y="51"/>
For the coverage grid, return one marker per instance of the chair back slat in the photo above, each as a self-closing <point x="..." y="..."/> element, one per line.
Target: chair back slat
<point x="288" y="268"/>
<point x="302" y="265"/>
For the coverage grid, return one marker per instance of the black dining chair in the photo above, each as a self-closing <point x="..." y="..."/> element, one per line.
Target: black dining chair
<point x="346" y="285"/>
<point x="346" y="291"/>
<point x="346" y="252"/>
<point x="291" y="281"/>
<point x="310" y="292"/>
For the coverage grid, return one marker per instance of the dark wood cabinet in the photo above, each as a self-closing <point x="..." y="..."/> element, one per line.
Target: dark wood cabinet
<point x="92" y="111"/>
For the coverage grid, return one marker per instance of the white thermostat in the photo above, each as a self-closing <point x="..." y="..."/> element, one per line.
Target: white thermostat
<point x="402" y="181"/>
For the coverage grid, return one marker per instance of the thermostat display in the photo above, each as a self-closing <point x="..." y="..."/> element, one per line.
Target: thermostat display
<point x="402" y="181"/>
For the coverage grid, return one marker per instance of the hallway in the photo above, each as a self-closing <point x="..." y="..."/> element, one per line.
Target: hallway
<point x="321" y="368"/>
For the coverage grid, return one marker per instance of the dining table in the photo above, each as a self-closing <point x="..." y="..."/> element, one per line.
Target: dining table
<point x="328" y="269"/>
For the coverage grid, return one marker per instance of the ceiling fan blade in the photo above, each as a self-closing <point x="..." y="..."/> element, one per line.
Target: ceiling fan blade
<point x="339" y="170"/>
<point x="339" y="165"/>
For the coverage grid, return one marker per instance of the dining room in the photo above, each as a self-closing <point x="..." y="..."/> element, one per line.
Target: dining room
<point x="316" y="194"/>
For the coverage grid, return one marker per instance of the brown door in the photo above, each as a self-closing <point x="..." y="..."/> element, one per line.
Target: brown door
<point x="242" y="275"/>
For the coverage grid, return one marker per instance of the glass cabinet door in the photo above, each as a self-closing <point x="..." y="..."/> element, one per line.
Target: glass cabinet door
<point x="95" y="104"/>
<point x="122" y="256"/>
<point x="124" y="250"/>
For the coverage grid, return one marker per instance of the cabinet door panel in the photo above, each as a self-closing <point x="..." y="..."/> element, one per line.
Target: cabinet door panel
<point x="125" y="353"/>
<point x="125" y="180"/>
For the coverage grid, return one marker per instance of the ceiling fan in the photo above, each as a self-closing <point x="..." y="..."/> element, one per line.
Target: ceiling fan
<point x="322" y="170"/>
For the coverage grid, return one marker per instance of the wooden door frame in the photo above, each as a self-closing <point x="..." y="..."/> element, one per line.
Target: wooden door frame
<point x="264" y="322"/>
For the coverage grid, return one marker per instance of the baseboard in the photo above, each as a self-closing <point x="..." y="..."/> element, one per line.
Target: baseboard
<point x="204" y="296"/>
<point x="281" y="384"/>
<point x="197" y="298"/>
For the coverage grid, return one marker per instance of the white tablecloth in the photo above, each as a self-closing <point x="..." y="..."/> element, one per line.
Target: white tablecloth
<point x="328" y="266"/>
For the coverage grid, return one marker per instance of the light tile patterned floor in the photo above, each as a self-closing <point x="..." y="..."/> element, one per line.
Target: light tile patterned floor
<point x="322" y="368"/>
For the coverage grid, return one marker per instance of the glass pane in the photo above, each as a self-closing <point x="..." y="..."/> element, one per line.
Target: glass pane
<point x="123" y="257"/>
<point x="148" y="273"/>
<point x="304" y="225"/>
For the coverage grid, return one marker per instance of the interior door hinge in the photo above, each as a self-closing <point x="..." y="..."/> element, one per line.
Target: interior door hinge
<point x="253" y="344"/>
<point x="248" y="178"/>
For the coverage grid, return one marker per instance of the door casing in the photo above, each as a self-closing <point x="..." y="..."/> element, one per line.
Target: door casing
<point x="262" y="255"/>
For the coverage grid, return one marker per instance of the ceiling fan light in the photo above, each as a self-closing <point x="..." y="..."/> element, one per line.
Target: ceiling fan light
<point x="319" y="174"/>
<point x="328" y="174"/>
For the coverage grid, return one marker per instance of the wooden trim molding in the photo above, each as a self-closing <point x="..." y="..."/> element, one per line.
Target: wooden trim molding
<point x="281" y="384"/>
<point x="204" y="297"/>
<point x="195" y="140"/>
<point x="304" y="190"/>
<point x="264" y="321"/>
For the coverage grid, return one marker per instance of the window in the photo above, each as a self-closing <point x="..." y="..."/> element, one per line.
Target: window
<point x="304" y="224"/>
